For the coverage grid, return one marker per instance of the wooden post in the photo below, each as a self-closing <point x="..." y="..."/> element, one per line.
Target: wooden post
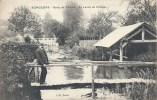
<point x="36" y="70"/>
<point x="110" y="55"/>
<point x="93" y="89"/>
<point x="35" y="73"/>
<point x="121" y="52"/>
<point x="38" y="74"/>
<point x="110" y="68"/>
<point x="143" y="33"/>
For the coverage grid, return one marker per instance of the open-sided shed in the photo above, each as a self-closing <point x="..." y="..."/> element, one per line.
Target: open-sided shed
<point x="136" y="33"/>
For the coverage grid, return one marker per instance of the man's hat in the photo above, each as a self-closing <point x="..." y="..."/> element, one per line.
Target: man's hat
<point x="42" y="44"/>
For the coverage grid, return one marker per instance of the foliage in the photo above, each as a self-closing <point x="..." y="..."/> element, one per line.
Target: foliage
<point x="13" y="72"/>
<point x="26" y="49"/>
<point x="27" y="39"/>
<point x="52" y="27"/>
<point x="23" y="21"/>
<point x="72" y="39"/>
<point x="92" y="54"/>
<point x="139" y="11"/>
<point x="60" y="31"/>
<point x="48" y="23"/>
<point x="147" y="57"/>
<point x="82" y="34"/>
<point x="72" y="16"/>
<point x="39" y="34"/>
<point x="101" y="24"/>
<point x="143" y="92"/>
<point x="73" y="20"/>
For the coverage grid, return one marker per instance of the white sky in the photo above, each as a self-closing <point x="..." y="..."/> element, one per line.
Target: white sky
<point x="7" y="6"/>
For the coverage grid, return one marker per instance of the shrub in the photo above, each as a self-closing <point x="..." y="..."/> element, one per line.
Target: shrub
<point x="92" y="54"/>
<point x="148" y="56"/>
<point x="13" y="72"/>
<point x="71" y="40"/>
<point x="27" y="39"/>
<point x="13" y="69"/>
<point x="28" y="50"/>
<point x="143" y="92"/>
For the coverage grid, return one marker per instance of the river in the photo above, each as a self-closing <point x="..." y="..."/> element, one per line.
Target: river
<point x="62" y="75"/>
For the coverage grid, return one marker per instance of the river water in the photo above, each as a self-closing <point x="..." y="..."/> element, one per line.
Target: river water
<point x="63" y="75"/>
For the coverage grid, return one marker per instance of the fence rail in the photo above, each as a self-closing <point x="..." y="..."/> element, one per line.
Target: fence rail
<point x="97" y="63"/>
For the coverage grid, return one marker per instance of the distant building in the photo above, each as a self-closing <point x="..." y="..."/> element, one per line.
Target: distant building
<point x="50" y="44"/>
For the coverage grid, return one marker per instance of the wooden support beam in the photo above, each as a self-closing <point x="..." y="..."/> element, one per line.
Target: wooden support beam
<point x="151" y="33"/>
<point x="143" y="41"/>
<point x="143" y="33"/>
<point x="110" y="55"/>
<point x="121" y="51"/>
<point x="133" y="34"/>
<point x="124" y="44"/>
<point x="119" y="55"/>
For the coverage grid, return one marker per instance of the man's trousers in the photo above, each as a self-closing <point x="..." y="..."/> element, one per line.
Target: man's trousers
<point x="43" y="74"/>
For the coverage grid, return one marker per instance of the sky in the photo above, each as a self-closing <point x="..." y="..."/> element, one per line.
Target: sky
<point x="7" y="6"/>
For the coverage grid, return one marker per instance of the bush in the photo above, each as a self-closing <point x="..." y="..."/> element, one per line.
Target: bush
<point x="71" y="40"/>
<point x="27" y="39"/>
<point x="92" y="54"/>
<point x="148" y="56"/>
<point x="28" y="50"/>
<point x="13" y="72"/>
<point x="14" y="83"/>
<point x="143" y="92"/>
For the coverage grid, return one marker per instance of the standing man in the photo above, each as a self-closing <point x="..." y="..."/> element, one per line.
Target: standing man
<point x="42" y="60"/>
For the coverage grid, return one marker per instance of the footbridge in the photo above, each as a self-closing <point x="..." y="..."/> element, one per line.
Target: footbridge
<point x="145" y="69"/>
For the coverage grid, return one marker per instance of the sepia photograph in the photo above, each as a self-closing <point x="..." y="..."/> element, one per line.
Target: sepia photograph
<point x="78" y="50"/>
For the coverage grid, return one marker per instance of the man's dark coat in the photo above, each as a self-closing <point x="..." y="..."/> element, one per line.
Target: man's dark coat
<point x="41" y="57"/>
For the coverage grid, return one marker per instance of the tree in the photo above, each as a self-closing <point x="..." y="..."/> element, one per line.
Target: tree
<point x="101" y="24"/>
<point x="27" y="39"/>
<point x="47" y="25"/>
<point x="62" y="34"/>
<point x="60" y="31"/>
<point x="81" y="33"/>
<point x="72" y="40"/>
<point x="39" y="34"/>
<point x="139" y="11"/>
<point x="72" y="16"/>
<point x="23" y="21"/>
<point x="14" y="72"/>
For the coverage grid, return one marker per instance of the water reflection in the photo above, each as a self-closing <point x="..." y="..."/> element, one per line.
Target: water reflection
<point x="74" y="72"/>
<point x="64" y="74"/>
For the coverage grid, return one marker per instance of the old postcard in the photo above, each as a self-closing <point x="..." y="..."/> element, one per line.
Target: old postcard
<point x="78" y="50"/>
